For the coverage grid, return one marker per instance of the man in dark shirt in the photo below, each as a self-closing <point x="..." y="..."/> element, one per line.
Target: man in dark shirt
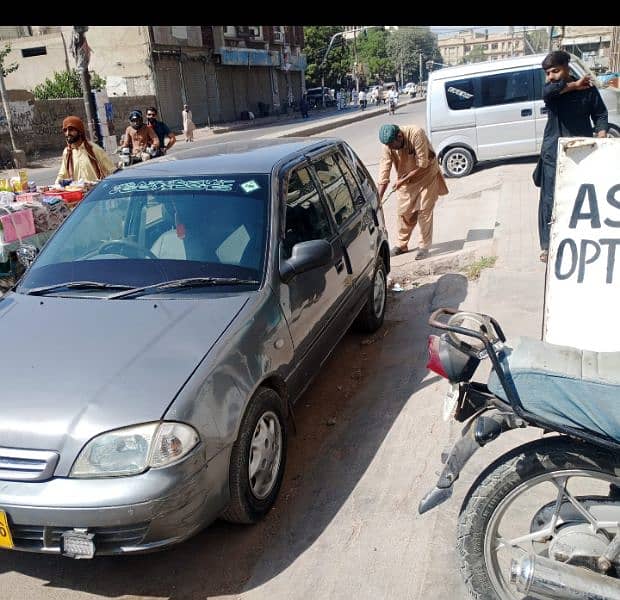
<point x="161" y="129"/>
<point x="573" y="105"/>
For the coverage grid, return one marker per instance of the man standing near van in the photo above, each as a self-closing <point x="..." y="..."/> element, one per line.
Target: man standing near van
<point x="573" y="106"/>
<point x="419" y="181"/>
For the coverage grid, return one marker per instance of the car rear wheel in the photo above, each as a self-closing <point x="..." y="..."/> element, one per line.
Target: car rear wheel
<point x="458" y="162"/>
<point x="613" y="132"/>
<point x="258" y="459"/>
<point x="372" y="315"/>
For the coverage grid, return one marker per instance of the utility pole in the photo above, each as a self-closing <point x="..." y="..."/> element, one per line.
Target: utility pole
<point x="81" y="53"/>
<point x="357" y="82"/>
<point x="19" y="156"/>
<point x="420" y="77"/>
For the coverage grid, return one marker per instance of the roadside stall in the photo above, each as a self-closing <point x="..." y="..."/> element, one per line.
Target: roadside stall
<point x="28" y="217"/>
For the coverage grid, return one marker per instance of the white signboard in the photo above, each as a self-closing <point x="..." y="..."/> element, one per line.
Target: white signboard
<point x="582" y="291"/>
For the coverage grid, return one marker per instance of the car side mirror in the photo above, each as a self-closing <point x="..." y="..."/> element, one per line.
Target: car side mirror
<point x="306" y="256"/>
<point x="26" y="253"/>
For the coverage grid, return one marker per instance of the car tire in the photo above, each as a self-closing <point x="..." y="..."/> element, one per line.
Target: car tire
<point x="262" y="440"/>
<point x="372" y="314"/>
<point x="458" y="162"/>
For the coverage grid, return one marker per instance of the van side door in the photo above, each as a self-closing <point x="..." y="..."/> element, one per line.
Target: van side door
<point x="505" y="114"/>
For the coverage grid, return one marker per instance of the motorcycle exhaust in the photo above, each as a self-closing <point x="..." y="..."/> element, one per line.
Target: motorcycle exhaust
<point x="545" y="578"/>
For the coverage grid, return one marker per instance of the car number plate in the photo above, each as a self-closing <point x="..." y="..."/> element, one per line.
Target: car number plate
<point x="6" y="540"/>
<point x="449" y="401"/>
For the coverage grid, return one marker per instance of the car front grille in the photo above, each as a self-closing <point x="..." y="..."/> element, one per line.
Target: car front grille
<point x="35" y="538"/>
<point x="17" y="464"/>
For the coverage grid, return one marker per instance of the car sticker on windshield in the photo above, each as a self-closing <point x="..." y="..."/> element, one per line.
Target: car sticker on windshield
<point x="250" y="186"/>
<point x="163" y="185"/>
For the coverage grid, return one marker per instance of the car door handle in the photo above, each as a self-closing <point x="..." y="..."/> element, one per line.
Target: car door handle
<point x="526" y="112"/>
<point x="544" y="110"/>
<point x="340" y="266"/>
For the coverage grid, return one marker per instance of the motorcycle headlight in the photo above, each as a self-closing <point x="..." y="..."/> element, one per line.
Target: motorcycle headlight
<point x="133" y="450"/>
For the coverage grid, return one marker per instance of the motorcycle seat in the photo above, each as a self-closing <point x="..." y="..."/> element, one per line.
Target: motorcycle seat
<point x="565" y="385"/>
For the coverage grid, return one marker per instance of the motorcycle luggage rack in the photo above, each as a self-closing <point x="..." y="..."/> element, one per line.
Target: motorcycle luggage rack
<point x="503" y="374"/>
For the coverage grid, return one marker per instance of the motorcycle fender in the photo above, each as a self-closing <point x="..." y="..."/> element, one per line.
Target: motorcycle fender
<point x="478" y="431"/>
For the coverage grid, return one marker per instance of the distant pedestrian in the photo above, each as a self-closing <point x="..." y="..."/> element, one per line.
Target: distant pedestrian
<point x="419" y="180"/>
<point x="304" y="106"/>
<point x="574" y="105"/>
<point x="188" y="124"/>
<point x="362" y="99"/>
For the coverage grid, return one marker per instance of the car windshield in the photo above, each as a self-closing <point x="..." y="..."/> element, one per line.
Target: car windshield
<point x="141" y="232"/>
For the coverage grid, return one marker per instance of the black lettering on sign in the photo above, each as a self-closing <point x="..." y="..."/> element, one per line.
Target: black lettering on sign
<point x="611" y="257"/>
<point x="615" y="203"/>
<point x="560" y="256"/>
<point x="583" y="261"/>
<point x="593" y="215"/>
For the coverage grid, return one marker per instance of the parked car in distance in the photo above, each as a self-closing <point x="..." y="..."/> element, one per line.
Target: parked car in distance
<point x="494" y="110"/>
<point x="315" y="99"/>
<point x="410" y="88"/>
<point x="162" y="336"/>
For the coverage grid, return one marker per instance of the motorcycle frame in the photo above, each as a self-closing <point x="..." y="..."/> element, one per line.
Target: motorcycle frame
<point x="508" y="384"/>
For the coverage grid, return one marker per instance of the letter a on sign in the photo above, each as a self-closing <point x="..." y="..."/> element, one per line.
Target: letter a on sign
<point x="582" y="288"/>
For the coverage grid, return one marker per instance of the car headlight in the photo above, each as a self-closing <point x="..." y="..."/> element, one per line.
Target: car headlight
<point x="132" y="450"/>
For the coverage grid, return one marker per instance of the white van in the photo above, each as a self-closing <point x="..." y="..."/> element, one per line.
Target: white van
<point x="493" y="110"/>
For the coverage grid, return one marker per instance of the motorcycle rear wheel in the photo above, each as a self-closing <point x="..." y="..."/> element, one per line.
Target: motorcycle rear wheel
<point x="551" y="461"/>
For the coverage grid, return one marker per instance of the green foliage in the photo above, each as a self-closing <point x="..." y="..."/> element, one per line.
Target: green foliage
<point x="477" y="54"/>
<point x="539" y="41"/>
<point x="473" y="270"/>
<point x="374" y="64"/>
<point x="337" y="62"/>
<point x="404" y="47"/>
<point x="65" y="85"/>
<point x="8" y="68"/>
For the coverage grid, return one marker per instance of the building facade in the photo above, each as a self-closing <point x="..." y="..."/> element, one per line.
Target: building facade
<point x="222" y="72"/>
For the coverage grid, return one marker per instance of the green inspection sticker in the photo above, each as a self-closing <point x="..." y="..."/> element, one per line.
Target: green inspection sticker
<point x="250" y="186"/>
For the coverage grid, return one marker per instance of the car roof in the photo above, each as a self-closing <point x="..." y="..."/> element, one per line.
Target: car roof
<point x="489" y="65"/>
<point x="255" y="156"/>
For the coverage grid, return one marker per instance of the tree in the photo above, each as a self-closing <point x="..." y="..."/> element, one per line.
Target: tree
<point x="65" y="84"/>
<point x="404" y="48"/>
<point x="337" y="62"/>
<point x="8" y="68"/>
<point x="539" y="41"/>
<point x="476" y="54"/>
<point x="372" y="52"/>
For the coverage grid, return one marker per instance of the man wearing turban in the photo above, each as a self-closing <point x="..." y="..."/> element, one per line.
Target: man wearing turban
<point x="82" y="160"/>
<point x="419" y="183"/>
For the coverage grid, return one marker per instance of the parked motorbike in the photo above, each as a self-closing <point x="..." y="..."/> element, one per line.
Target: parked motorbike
<point x="543" y="520"/>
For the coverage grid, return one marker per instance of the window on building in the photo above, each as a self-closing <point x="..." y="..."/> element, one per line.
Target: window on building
<point x="230" y="31"/>
<point x="179" y="32"/>
<point x="494" y="46"/>
<point x="38" y="51"/>
<point x="460" y="94"/>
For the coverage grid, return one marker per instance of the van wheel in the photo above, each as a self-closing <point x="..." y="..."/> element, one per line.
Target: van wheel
<point x="613" y="132"/>
<point x="458" y="162"/>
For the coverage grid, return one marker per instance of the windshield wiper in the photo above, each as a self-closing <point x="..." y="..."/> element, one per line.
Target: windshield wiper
<point x="77" y="285"/>
<point x="188" y="282"/>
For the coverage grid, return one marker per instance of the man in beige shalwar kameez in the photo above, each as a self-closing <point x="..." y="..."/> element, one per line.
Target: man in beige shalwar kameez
<point x="419" y="183"/>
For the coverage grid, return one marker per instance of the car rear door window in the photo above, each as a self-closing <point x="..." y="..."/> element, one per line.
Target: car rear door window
<point x="306" y="217"/>
<point x="460" y="94"/>
<point x="506" y="88"/>
<point x="335" y="187"/>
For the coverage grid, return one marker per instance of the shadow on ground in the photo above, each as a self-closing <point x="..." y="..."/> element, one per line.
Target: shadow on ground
<point x="342" y="421"/>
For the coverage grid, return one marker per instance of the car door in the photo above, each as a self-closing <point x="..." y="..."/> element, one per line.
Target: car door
<point x="350" y="214"/>
<point x="505" y="115"/>
<point x="311" y="300"/>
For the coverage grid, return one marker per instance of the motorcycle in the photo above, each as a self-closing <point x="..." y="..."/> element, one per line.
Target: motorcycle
<point x="392" y="105"/>
<point x="543" y="520"/>
<point x="126" y="158"/>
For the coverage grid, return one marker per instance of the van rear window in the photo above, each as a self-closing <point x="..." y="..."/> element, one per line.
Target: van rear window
<point x="460" y="94"/>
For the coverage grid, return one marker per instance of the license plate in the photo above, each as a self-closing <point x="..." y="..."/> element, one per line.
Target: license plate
<point x="449" y="401"/>
<point x="6" y="541"/>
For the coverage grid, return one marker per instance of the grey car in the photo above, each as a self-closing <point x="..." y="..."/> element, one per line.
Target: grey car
<point x="156" y="346"/>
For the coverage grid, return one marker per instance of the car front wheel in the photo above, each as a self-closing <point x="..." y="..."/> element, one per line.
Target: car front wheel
<point x="257" y="460"/>
<point x="372" y="315"/>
